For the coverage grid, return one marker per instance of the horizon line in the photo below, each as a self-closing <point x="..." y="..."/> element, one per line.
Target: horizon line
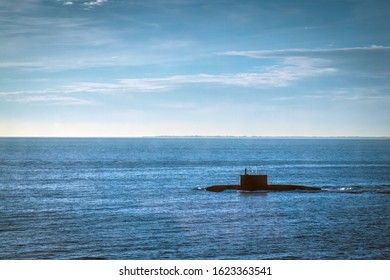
<point x="204" y="136"/>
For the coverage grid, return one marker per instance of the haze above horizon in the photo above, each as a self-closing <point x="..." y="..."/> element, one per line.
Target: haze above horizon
<point x="114" y="68"/>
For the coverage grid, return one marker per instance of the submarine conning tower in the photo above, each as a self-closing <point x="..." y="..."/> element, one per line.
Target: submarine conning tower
<point x="253" y="182"/>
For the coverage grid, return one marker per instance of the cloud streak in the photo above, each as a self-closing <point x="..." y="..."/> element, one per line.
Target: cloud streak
<point x="365" y="62"/>
<point x="275" y="78"/>
<point x="292" y="69"/>
<point x="304" y="52"/>
<point x="54" y="97"/>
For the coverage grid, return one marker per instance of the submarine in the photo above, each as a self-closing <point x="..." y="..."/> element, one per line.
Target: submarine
<point x="256" y="183"/>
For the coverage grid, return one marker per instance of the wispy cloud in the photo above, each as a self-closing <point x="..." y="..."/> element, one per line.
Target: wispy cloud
<point x="172" y="45"/>
<point x="353" y="94"/>
<point x="291" y="70"/>
<point x="361" y="94"/>
<point x="54" y="99"/>
<point x="304" y="52"/>
<point x="178" y="106"/>
<point x="20" y="64"/>
<point x="367" y="62"/>
<point x="44" y="96"/>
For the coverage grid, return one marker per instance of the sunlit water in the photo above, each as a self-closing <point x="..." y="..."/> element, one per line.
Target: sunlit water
<point x="135" y="199"/>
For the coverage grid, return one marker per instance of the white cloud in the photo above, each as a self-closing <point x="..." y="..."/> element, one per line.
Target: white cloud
<point x="91" y="4"/>
<point x="68" y="3"/>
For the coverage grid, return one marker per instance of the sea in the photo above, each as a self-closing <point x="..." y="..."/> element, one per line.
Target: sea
<point x="144" y="198"/>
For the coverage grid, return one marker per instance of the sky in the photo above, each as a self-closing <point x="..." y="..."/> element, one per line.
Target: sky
<point x="133" y="68"/>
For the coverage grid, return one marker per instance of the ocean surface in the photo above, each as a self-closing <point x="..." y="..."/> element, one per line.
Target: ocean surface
<point x="139" y="198"/>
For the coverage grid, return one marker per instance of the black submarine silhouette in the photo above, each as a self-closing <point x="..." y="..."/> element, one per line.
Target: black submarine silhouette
<point x="258" y="182"/>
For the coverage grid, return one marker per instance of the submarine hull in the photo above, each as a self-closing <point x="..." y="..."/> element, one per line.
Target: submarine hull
<point x="251" y="183"/>
<point x="270" y="188"/>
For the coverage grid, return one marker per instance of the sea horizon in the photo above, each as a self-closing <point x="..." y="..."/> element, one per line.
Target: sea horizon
<point x="204" y="136"/>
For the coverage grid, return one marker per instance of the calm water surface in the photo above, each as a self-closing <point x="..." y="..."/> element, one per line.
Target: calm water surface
<point x="135" y="199"/>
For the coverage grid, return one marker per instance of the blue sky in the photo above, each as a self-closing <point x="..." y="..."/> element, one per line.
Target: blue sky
<point x="193" y="67"/>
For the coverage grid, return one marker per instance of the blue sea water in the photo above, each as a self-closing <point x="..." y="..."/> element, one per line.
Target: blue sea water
<point x="136" y="199"/>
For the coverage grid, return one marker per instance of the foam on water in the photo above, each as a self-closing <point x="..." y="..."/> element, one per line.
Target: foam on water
<point x="384" y="189"/>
